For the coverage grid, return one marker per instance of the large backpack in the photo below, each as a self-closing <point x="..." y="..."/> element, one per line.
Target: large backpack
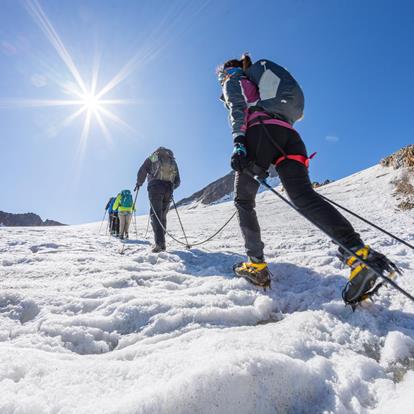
<point x="126" y="199"/>
<point x="163" y="165"/>
<point x="279" y="92"/>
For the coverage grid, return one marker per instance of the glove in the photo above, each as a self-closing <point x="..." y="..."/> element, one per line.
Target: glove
<point x="136" y="187"/>
<point x="239" y="159"/>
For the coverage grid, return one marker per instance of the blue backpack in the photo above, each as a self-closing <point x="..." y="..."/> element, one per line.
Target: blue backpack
<point x="126" y="199"/>
<point x="111" y="204"/>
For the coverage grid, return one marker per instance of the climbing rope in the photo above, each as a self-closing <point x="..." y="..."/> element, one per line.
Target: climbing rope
<point x="367" y="222"/>
<point x="187" y="244"/>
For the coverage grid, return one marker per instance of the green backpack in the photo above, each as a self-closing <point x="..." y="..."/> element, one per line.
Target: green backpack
<point x="164" y="166"/>
<point x="126" y="199"/>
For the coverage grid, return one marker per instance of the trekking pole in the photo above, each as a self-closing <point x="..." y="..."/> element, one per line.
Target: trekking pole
<point x="350" y="252"/>
<point x="367" y="221"/>
<point x="181" y="224"/>
<point x="100" y="227"/>
<point x="135" y="218"/>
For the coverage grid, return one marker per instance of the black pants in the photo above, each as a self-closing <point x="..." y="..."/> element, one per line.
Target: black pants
<point x="160" y="193"/>
<point x="295" y="179"/>
<point x="114" y="223"/>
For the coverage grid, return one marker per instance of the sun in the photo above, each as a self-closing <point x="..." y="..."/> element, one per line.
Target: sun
<point x="91" y="102"/>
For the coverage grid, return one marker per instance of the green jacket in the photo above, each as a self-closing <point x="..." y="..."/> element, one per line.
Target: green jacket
<point x="117" y="206"/>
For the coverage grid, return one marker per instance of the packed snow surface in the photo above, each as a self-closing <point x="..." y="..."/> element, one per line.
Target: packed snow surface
<point x="84" y="329"/>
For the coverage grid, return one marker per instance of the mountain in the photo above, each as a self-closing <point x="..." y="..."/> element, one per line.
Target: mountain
<point x="220" y="190"/>
<point x="84" y="329"/>
<point x="27" y="219"/>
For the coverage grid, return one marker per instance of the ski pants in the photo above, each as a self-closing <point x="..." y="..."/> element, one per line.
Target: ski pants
<point x="124" y="222"/>
<point x="114" y="223"/>
<point x="295" y="179"/>
<point x="160" y="198"/>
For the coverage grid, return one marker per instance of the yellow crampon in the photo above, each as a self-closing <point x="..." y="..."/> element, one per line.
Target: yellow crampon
<point x="354" y="264"/>
<point x="256" y="273"/>
<point x="253" y="267"/>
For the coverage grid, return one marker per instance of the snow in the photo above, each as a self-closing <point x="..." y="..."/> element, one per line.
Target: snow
<point x="84" y="329"/>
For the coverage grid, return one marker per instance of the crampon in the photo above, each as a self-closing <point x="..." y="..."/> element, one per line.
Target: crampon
<point x="256" y="273"/>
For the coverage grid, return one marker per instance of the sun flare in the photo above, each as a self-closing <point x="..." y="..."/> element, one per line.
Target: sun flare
<point x="90" y="101"/>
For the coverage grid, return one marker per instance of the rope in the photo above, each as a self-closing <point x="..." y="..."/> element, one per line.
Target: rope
<point x="165" y="230"/>
<point x="217" y="232"/>
<point x="187" y="245"/>
<point x="181" y="224"/>
<point x="350" y="252"/>
<point x="367" y="221"/>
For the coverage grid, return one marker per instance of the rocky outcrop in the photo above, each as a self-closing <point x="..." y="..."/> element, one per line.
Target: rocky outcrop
<point x="212" y="192"/>
<point x="218" y="190"/>
<point x="400" y="159"/>
<point x="404" y="184"/>
<point x="316" y="184"/>
<point x="27" y="219"/>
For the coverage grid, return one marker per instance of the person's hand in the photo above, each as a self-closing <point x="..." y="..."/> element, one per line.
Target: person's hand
<point x="136" y="187"/>
<point x="239" y="159"/>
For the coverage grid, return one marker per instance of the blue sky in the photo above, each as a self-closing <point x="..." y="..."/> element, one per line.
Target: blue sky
<point x="353" y="59"/>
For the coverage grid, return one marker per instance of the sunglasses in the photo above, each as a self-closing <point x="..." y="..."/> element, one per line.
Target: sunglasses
<point x="224" y="73"/>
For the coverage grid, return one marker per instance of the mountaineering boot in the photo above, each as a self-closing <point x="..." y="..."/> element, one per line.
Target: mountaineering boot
<point x="157" y="248"/>
<point x="362" y="280"/>
<point x="255" y="272"/>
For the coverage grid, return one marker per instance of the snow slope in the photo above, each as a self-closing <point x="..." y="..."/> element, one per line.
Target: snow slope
<point x="84" y="329"/>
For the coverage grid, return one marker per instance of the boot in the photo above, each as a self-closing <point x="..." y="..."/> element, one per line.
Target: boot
<point x="157" y="248"/>
<point x="254" y="272"/>
<point x="362" y="280"/>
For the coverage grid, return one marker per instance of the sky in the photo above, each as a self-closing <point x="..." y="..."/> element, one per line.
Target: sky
<point x="155" y="62"/>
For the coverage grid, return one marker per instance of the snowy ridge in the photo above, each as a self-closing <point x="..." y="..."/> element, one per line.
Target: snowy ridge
<point x="86" y="330"/>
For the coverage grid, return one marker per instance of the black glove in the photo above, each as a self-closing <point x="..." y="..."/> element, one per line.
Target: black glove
<point x="136" y="187"/>
<point x="239" y="159"/>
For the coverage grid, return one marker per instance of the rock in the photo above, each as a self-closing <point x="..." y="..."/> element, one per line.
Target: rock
<point x="27" y="219"/>
<point x="402" y="158"/>
<point x="217" y="190"/>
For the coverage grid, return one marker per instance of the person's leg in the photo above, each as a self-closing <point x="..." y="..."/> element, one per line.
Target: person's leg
<point x="127" y="223"/>
<point x="110" y="222"/>
<point x="245" y="189"/>
<point x="295" y="179"/>
<point x="122" y="222"/>
<point x="156" y="200"/>
<point x="165" y="208"/>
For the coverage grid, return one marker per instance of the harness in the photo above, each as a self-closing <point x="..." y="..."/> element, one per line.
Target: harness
<point x="263" y="118"/>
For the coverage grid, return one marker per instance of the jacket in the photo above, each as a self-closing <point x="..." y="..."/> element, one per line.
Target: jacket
<point x="117" y="206"/>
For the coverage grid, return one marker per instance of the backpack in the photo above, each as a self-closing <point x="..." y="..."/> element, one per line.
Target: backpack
<point x="163" y="165"/>
<point x="126" y="199"/>
<point x="279" y="92"/>
<point x="111" y="204"/>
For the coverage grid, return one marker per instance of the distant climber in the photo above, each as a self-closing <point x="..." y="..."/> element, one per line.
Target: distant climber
<point x="163" y="175"/>
<point x="124" y="206"/>
<point x="113" y="219"/>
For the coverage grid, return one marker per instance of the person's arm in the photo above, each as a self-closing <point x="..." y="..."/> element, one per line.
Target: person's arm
<point x="236" y="103"/>
<point x="107" y="204"/>
<point x="143" y="172"/>
<point x="177" y="180"/>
